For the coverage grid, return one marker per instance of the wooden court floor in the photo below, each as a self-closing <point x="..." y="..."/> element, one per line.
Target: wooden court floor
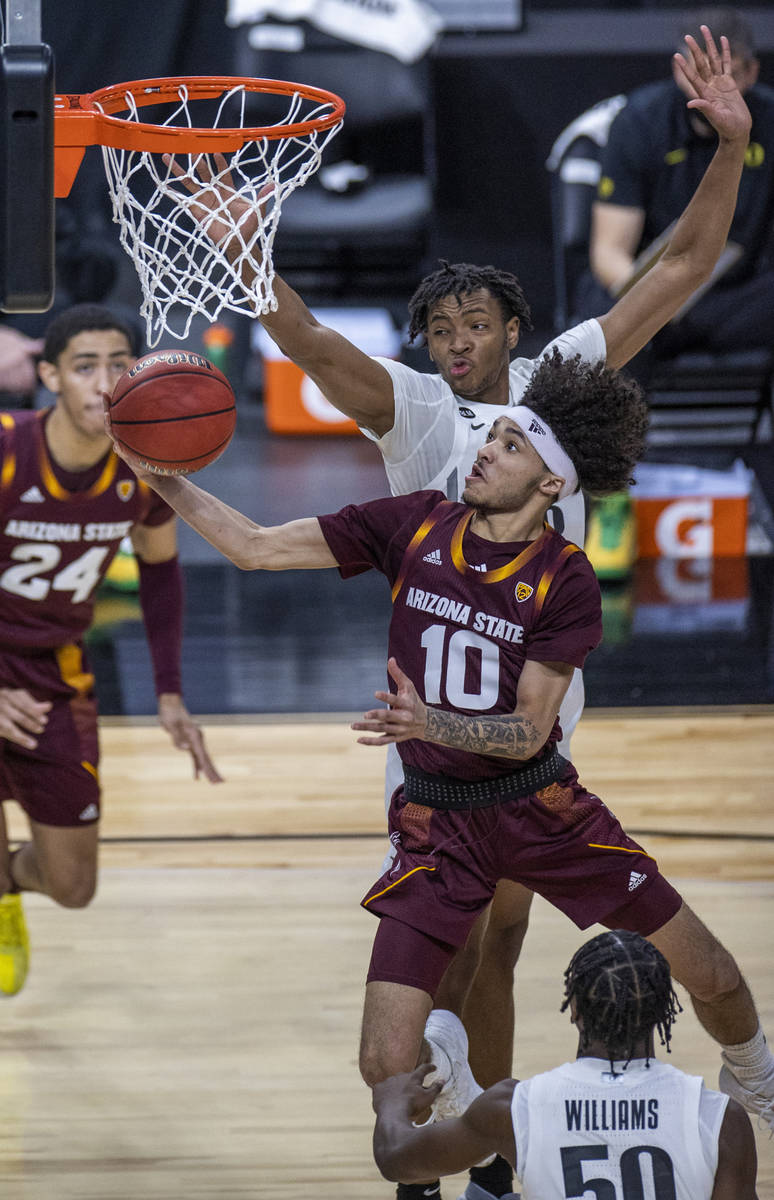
<point x="193" y="1033"/>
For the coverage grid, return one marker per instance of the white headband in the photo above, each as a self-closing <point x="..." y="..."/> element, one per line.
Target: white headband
<point x="542" y="438"/>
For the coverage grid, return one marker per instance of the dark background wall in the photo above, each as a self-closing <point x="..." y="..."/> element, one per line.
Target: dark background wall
<point x="500" y="100"/>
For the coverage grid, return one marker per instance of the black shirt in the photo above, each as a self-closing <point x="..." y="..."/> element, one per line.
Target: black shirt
<point x="654" y="160"/>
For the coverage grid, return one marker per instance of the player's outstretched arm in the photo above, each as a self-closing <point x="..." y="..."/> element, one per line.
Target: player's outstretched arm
<point x="353" y="383"/>
<point x="297" y="545"/>
<point x="701" y="232"/>
<point x="412" y="1155"/>
<point x="518" y="735"/>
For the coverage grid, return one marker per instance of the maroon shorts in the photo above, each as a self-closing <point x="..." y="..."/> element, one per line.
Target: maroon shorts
<point x="57" y="783"/>
<point x="562" y="843"/>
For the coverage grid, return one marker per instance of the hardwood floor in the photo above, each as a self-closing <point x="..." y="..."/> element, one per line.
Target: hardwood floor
<point x="193" y="1033"/>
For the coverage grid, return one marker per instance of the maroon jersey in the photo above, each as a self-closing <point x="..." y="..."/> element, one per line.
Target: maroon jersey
<point x="59" y="532"/>
<point x="467" y="612"/>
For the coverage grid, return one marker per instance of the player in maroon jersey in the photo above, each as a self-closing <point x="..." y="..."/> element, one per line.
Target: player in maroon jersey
<point x="470" y="319"/>
<point x="492" y="611"/>
<point x="66" y="502"/>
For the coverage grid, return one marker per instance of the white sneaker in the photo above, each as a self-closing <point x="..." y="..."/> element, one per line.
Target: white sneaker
<point x="752" y="1098"/>
<point x="445" y="1035"/>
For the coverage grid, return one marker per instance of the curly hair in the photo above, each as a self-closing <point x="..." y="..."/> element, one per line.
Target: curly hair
<point x="598" y="416"/>
<point x="622" y="990"/>
<point x="460" y="279"/>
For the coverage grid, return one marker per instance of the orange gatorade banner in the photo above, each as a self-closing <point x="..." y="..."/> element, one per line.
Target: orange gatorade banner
<point x="691" y="512"/>
<point x="692" y="527"/>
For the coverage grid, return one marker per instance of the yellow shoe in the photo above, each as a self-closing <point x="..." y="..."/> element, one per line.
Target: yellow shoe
<point x="14" y="945"/>
<point x="123" y="574"/>
<point x="611" y="541"/>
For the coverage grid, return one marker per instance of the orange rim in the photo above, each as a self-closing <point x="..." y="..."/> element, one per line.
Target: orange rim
<point x="87" y="120"/>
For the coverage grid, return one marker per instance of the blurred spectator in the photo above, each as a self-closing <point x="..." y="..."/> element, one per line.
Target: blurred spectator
<point x="656" y="153"/>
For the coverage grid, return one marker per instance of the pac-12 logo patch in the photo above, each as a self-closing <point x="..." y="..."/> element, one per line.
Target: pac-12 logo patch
<point x="523" y="591"/>
<point x="125" y="489"/>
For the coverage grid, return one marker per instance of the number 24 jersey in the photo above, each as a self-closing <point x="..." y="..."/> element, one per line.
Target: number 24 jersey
<point x="59" y="532"/>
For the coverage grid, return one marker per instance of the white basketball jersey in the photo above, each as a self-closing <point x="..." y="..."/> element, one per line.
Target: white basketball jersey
<point x="640" y="1133"/>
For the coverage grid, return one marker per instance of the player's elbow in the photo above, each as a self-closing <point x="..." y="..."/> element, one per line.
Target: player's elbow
<point x="687" y="271"/>
<point x="251" y="551"/>
<point x="395" y="1169"/>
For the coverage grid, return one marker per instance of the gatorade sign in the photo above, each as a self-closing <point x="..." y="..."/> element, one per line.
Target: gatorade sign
<point x="692" y="527"/>
<point x="292" y="401"/>
<point x="688" y="512"/>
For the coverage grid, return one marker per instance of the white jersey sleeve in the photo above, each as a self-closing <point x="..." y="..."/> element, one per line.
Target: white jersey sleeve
<point x="422" y="437"/>
<point x="586" y="339"/>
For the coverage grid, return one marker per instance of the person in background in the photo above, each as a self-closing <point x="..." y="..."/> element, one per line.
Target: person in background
<point x="66" y="502"/>
<point x="656" y="153"/>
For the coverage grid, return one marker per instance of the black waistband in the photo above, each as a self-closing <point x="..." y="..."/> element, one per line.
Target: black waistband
<point x="444" y="791"/>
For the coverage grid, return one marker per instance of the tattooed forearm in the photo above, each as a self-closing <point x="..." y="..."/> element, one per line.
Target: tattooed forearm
<point x="509" y="736"/>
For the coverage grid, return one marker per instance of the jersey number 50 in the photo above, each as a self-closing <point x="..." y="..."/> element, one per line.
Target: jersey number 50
<point x="630" y="1166"/>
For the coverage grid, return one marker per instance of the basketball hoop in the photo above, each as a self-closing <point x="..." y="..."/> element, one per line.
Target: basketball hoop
<point x="196" y="191"/>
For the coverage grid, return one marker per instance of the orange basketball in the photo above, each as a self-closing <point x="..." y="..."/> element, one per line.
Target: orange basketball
<point x="174" y="410"/>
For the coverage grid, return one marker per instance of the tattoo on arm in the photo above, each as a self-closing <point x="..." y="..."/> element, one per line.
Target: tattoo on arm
<point x="509" y="736"/>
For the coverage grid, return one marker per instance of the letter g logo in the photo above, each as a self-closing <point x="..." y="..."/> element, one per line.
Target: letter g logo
<point x="684" y="528"/>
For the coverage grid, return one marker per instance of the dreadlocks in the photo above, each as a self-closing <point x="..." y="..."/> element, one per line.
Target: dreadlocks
<point x="598" y="416"/>
<point x="460" y="279"/>
<point x="622" y="990"/>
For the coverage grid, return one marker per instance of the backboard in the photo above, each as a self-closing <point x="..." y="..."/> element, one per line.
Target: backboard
<point x="26" y="161"/>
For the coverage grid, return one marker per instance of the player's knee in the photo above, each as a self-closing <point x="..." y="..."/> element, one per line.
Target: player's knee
<point x="5" y="882"/>
<point x="73" y="892"/>
<point x="372" y="1066"/>
<point x="719" y="979"/>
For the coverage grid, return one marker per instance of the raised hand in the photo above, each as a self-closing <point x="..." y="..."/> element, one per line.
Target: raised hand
<point x="229" y="220"/>
<point x="406" y="716"/>
<point x="711" y="86"/>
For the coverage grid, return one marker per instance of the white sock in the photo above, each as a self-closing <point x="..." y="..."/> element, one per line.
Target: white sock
<point x="752" y="1058"/>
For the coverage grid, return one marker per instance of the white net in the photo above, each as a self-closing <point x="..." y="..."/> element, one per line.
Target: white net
<point x="200" y="228"/>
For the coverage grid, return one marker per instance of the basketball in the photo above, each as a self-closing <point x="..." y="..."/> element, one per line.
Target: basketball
<point x="174" y="410"/>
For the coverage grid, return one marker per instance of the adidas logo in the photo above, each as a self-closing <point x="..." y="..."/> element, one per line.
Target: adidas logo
<point x="635" y="879"/>
<point x="32" y="495"/>
<point x="536" y="427"/>
<point x="90" y="813"/>
<point x="434" y="557"/>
